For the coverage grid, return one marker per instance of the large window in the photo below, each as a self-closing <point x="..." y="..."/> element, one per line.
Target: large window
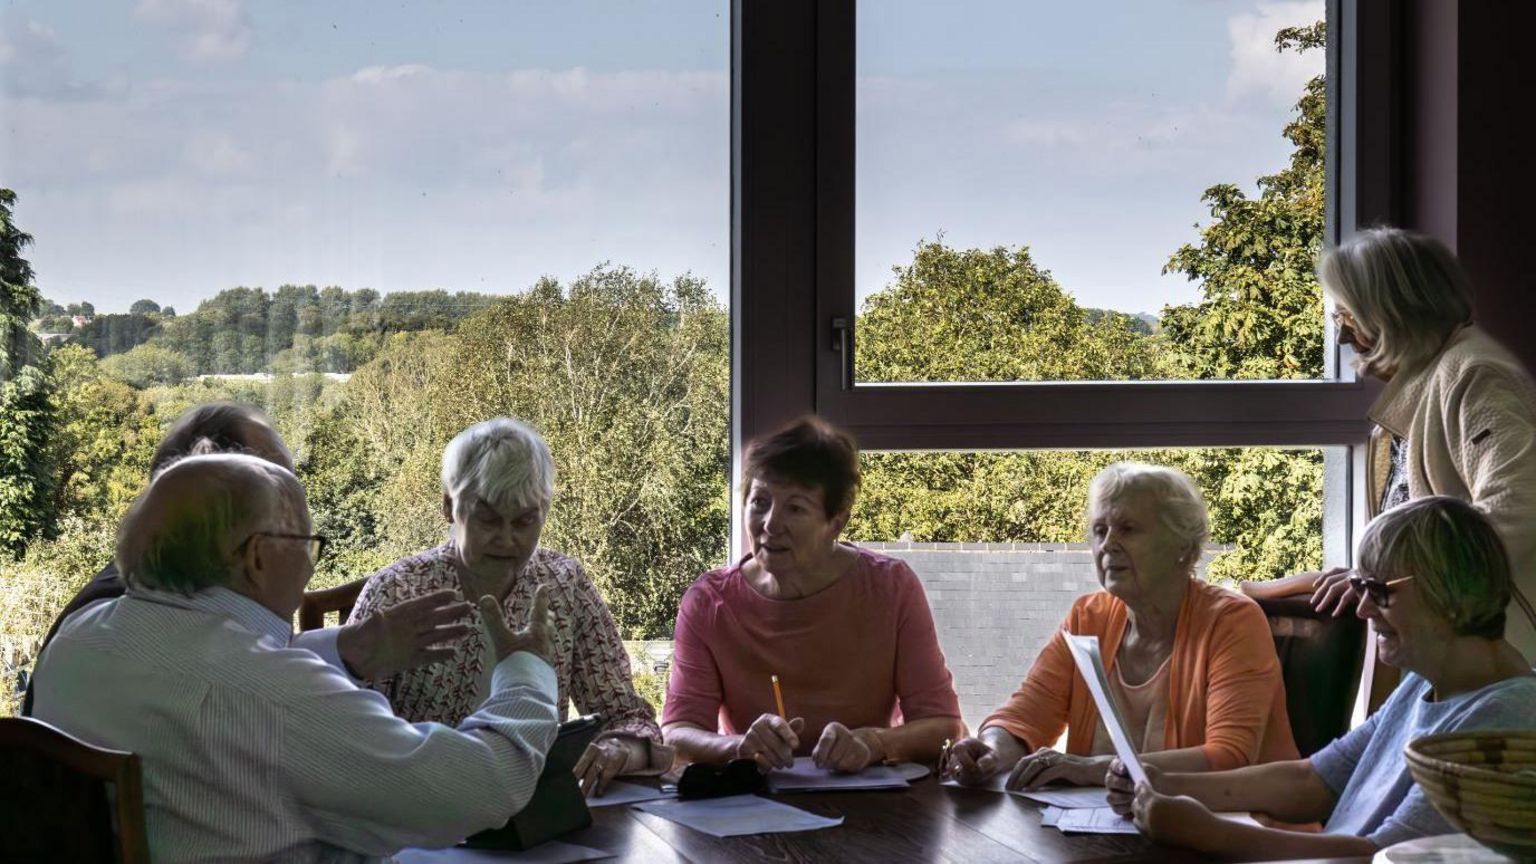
<point x="1104" y="190"/>
<point x="989" y="153"/>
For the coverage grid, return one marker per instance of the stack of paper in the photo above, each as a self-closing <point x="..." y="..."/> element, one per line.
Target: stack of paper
<point x="806" y="777"/>
<point x="736" y="815"/>
<point x="1087" y="820"/>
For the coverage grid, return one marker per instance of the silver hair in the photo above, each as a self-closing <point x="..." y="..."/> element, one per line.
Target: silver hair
<point x="1181" y="508"/>
<point x="1455" y="556"/>
<point x="1406" y="290"/>
<point x="184" y="532"/>
<point x="503" y="461"/>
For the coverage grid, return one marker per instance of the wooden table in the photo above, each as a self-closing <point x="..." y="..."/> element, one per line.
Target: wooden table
<point x="927" y="822"/>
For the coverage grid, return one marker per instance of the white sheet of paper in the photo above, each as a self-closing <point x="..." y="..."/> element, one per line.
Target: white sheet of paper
<point x="1094" y="820"/>
<point x="1085" y="650"/>
<point x="1049" y="816"/>
<point x="1069" y="797"/>
<point x="552" y="852"/>
<point x="620" y="792"/>
<point x="736" y="815"/>
<point x="1064" y="797"/>
<point x="806" y="777"/>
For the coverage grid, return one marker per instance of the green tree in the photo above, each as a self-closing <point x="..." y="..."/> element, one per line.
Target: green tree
<point x="989" y="315"/>
<point x="25" y="388"/>
<point x="1261" y="312"/>
<point x="144" y="307"/>
<point x="147" y="365"/>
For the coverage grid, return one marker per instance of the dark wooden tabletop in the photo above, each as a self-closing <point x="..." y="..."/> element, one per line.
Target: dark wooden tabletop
<point x="927" y="822"/>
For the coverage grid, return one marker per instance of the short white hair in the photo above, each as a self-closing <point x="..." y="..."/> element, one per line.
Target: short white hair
<point x="1181" y="508"/>
<point x="184" y="532"/>
<point x="504" y="462"/>
<point x="1406" y="290"/>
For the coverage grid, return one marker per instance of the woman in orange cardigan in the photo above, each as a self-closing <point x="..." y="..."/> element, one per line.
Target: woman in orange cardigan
<point x="1192" y="666"/>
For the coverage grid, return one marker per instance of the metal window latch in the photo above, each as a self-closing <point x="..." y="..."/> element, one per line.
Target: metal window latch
<point x="842" y="343"/>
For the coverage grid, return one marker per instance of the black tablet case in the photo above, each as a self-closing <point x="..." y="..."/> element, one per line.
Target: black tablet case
<point x="557" y="806"/>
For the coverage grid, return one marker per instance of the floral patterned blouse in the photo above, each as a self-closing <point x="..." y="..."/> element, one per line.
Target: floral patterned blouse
<point x="590" y="663"/>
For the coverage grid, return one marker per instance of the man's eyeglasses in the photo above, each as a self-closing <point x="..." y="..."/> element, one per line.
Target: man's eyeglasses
<point x="1380" y="592"/>
<point x="316" y="541"/>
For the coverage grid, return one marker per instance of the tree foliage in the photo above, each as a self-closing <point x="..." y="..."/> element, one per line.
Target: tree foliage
<point x="989" y="315"/>
<point x="25" y="390"/>
<point x="304" y="328"/>
<point x="148" y="365"/>
<point x="1261" y="312"/>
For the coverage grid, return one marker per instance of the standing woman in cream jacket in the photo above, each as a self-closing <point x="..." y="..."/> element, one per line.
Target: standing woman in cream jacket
<point x="1458" y="414"/>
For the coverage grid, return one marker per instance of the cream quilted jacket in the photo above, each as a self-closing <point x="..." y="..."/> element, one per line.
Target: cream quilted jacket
<point x="1469" y="420"/>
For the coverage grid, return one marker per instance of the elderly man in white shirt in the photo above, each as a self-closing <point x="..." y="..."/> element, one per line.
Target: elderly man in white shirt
<point x="254" y="749"/>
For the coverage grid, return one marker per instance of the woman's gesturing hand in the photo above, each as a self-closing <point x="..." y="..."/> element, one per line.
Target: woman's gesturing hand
<point x="1046" y="765"/>
<point x="972" y="762"/>
<point x="771" y="741"/>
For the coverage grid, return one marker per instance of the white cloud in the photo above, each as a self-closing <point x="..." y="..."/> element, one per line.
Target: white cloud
<point x="33" y="63"/>
<point x="207" y="30"/>
<point x="389" y="177"/>
<point x="1257" y="68"/>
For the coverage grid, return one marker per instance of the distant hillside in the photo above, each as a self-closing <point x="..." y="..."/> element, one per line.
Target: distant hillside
<point x="1144" y="323"/>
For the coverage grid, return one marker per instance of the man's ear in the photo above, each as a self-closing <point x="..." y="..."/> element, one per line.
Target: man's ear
<point x="252" y="562"/>
<point x="448" y="507"/>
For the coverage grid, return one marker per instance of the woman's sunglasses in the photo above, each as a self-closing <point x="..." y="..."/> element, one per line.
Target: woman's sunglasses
<point x="1379" y="592"/>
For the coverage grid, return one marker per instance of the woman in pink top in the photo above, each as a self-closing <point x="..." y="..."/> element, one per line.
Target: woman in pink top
<point x="848" y="632"/>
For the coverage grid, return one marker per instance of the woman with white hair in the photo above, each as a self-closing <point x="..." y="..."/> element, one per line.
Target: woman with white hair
<point x="1458" y="414"/>
<point x="498" y="482"/>
<point x="1191" y="666"/>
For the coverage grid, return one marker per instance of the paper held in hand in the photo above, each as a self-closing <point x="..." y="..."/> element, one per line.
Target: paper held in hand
<point x="1085" y="650"/>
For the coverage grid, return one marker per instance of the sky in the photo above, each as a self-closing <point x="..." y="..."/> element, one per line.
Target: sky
<point x="168" y="149"/>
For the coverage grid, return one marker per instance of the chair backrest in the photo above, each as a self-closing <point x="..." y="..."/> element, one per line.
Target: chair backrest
<point x="316" y="604"/>
<point x="1320" y="658"/>
<point x="57" y="801"/>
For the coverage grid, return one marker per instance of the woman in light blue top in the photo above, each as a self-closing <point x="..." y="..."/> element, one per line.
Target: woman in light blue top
<point x="1433" y="580"/>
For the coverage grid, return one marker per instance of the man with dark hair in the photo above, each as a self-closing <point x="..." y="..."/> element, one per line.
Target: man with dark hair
<point x="370" y="649"/>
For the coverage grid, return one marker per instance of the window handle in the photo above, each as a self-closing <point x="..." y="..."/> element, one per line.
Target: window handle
<point x="842" y="343"/>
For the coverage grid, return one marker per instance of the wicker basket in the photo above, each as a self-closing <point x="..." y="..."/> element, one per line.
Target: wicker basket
<point x="1484" y="783"/>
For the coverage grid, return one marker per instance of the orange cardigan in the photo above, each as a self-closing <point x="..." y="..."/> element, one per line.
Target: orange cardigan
<point x="1225" y="694"/>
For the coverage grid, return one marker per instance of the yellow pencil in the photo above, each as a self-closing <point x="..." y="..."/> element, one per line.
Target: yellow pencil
<point x="778" y="696"/>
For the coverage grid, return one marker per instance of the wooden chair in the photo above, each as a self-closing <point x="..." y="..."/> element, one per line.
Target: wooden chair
<point x="315" y="605"/>
<point x="1320" y="659"/>
<point x="57" y="805"/>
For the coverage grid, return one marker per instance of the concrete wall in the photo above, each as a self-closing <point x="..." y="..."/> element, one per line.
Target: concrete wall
<point x="995" y="605"/>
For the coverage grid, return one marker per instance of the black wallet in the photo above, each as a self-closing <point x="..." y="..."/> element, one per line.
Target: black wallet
<point x="737" y="777"/>
<point x="557" y="806"/>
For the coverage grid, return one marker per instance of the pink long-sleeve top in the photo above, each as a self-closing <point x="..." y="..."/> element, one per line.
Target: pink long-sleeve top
<point x="862" y="652"/>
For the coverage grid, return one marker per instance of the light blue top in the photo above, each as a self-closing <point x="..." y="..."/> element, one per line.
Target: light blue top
<point x="1366" y="768"/>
